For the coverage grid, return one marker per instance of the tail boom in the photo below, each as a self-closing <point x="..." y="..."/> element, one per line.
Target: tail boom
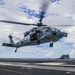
<point x="8" y="45"/>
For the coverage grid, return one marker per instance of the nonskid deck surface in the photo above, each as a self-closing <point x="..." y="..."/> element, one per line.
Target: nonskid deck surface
<point x="19" y="68"/>
<point x="16" y="70"/>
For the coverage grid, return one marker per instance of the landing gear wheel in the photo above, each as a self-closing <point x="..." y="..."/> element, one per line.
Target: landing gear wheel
<point x="51" y="44"/>
<point x="16" y="50"/>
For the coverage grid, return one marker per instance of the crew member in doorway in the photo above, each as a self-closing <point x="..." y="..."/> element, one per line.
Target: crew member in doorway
<point x="35" y="35"/>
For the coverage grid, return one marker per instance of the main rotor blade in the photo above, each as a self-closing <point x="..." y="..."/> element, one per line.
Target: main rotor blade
<point x="16" y="22"/>
<point x="60" y="25"/>
<point x="43" y="9"/>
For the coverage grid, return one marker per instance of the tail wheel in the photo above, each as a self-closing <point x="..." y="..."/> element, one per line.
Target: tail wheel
<point x="16" y="50"/>
<point x="51" y="44"/>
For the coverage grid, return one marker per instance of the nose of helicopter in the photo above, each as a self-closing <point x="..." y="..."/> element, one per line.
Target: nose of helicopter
<point x="65" y="34"/>
<point x="62" y="34"/>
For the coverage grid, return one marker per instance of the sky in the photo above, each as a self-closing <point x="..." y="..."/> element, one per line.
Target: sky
<point x="59" y="12"/>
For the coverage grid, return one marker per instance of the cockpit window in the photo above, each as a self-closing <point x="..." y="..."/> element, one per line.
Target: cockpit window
<point x="56" y="30"/>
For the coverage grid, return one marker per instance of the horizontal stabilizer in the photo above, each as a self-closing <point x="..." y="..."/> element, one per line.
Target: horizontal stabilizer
<point x="8" y="45"/>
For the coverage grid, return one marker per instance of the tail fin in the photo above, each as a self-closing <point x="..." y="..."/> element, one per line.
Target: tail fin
<point x="11" y="39"/>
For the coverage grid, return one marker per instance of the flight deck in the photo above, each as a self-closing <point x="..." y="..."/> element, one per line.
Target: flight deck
<point x="39" y="67"/>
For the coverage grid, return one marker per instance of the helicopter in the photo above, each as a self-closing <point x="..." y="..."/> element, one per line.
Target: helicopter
<point x="37" y="35"/>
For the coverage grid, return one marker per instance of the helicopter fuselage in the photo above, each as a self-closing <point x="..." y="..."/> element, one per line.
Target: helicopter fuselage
<point x="37" y="36"/>
<point x="40" y="35"/>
